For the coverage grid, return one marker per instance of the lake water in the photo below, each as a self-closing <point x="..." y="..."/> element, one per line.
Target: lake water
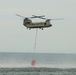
<point x="46" y="63"/>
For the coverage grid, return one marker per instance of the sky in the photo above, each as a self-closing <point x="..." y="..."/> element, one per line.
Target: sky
<point x="60" y="38"/>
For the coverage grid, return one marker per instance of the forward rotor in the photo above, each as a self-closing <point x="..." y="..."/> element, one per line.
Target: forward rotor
<point x="34" y="16"/>
<point x="23" y="16"/>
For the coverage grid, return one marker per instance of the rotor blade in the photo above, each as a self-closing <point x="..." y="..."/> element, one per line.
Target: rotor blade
<point x="20" y="16"/>
<point x="57" y="19"/>
<point x="23" y="16"/>
<point x="38" y="16"/>
<point x="34" y="15"/>
<point x="42" y="18"/>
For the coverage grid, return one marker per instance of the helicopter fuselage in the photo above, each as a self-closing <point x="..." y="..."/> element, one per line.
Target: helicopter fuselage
<point x="29" y="24"/>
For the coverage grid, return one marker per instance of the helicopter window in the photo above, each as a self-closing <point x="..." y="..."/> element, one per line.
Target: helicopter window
<point x="28" y="22"/>
<point x="44" y="23"/>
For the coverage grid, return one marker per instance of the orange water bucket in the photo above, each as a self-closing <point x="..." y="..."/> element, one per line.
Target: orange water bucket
<point x="33" y="63"/>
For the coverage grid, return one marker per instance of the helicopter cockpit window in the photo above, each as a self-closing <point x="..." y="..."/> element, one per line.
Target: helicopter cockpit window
<point x="27" y="21"/>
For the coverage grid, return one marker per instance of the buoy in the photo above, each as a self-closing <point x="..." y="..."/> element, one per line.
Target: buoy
<point x="33" y="63"/>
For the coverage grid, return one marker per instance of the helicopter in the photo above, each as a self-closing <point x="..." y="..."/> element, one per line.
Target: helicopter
<point x="27" y="22"/>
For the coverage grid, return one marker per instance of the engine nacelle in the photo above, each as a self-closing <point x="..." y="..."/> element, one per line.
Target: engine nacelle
<point x="47" y="21"/>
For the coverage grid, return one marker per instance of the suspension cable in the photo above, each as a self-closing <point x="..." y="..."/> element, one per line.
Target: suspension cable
<point x="35" y="41"/>
<point x="34" y="59"/>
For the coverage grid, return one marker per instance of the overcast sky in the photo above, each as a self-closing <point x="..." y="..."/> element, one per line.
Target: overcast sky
<point x="60" y="38"/>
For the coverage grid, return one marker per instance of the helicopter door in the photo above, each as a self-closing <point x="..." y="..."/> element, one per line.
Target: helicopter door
<point x="45" y="24"/>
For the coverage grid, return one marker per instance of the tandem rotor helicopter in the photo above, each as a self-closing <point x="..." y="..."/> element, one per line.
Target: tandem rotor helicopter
<point x="29" y="24"/>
